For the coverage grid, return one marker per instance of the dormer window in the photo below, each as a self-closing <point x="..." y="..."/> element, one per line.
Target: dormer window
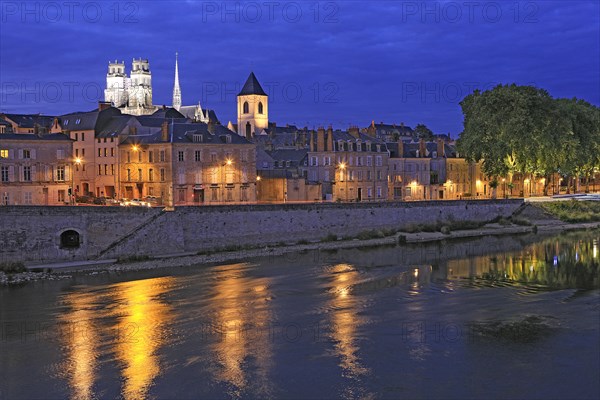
<point x="378" y="148"/>
<point x="368" y="146"/>
<point x="359" y="145"/>
<point x="66" y="122"/>
<point x="77" y="121"/>
<point x="340" y="145"/>
<point x="197" y="138"/>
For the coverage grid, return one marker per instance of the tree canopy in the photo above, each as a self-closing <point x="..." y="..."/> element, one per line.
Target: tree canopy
<point x="523" y="129"/>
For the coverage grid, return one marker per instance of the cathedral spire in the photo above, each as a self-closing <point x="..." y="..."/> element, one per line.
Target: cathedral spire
<point x="176" y="89"/>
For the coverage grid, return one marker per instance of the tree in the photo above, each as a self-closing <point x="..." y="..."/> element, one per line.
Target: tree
<point x="423" y="132"/>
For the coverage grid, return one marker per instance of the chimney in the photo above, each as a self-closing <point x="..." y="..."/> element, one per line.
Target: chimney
<point x="103" y="105"/>
<point x="321" y="139"/>
<point x="330" y="138"/>
<point x="353" y="130"/>
<point x="441" y="148"/>
<point x="400" y="148"/>
<point x="371" y="131"/>
<point x="273" y="129"/>
<point x="211" y="127"/>
<point x="312" y="140"/>
<point x="164" y="131"/>
<point x="422" y="148"/>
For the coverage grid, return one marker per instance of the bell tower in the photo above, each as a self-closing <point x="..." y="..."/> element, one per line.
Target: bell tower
<point x="253" y="108"/>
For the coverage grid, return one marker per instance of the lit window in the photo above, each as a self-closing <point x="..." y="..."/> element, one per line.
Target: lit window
<point x="3" y="153"/>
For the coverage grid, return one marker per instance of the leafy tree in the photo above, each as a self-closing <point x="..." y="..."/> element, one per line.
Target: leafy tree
<point x="423" y="132"/>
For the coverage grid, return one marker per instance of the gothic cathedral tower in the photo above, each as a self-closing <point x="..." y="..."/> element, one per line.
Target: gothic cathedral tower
<point x="176" y="88"/>
<point x="253" y="108"/>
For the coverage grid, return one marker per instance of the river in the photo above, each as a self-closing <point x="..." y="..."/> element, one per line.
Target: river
<point x="511" y="317"/>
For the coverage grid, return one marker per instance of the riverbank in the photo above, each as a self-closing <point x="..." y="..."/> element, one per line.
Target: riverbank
<point x="536" y="220"/>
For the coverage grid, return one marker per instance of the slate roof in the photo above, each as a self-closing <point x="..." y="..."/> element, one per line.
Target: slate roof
<point x="252" y="86"/>
<point x="167" y="113"/>
<point x="116" y="125"/>
<point x="410" y="149"/>
<point x="288" y="155"/>
<point x="91" y="120"/>
<point x="49" y="136"/>
<point x="346" y="136"/>
<point x="184" y="133"/>
<point x="29" y="120"/>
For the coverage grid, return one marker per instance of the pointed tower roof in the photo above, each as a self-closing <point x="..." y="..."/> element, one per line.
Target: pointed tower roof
<point x="252" y="86"/>
<point x="176" y="88"/>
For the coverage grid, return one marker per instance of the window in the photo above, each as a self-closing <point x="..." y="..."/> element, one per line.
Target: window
<point x="27" y="198"/>
<point x="326" y="177"/>
<point x="60" y="174"/>
<point x="260" y="107"/>
<point x="162" y="174"/>
<point x="83" y="136"/>
<point x="162" y="156"/>
<point x="26" y="154"/>
<point x="61" y="196"/>
<point x="213" y="194"/>
<point x="360" y="175"/>
<point x="4" y="173"/>
<point x="369" y="177"/>
<point x="197" y="155"/>
<point x="77" y="121"/>
<point x="197" y="138"/>
<point x="378" y="192"/>
<point x="150" y="191"/>
<point x="112" y="151"/>
<point x="244" y="194"/>
<point x="128" y="157"/>
<point x="112" y="169"/>
<point x="314" y="161"/>
<point x="139" y="156"/>
<point x="60" y="154"/>
<point x="378" y="161"/>
<point x="151" y="175"/>
<point x="180" y="156"/>
<point x="369" y="161"/>
<point x="105" y="169"/>
<point x="140" y="176"/>
<point x="99" y="169"/>
<point x="213" y="157"/>
<point x="378" y="174"/>
<point x="99" y="152"/>
<point x="76" y="136"/>
<point x="229" y="194"/>
<point x="128" y="174"/>
<point x="369" y="192"/>
<point x="99" y="140"/>
<point x="3" y="153"/>
<point x="151" y="156"/>
<point x="26" y="174"/>
<point x="105" y="151"/>
<point x="245" y="107"/>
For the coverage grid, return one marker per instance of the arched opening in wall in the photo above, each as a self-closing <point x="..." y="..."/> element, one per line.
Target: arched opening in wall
<point x="248" y="130"/>
<point x="260" y="108"/>
<point x="70" y="240"/>
<point x="246" y="110"/>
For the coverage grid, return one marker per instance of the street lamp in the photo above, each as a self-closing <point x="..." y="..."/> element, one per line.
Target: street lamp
<point x="504" y="187"/>
<point x="76" y="161"/>
<point x="228" y="162"/>
<point x="342" y="167"/>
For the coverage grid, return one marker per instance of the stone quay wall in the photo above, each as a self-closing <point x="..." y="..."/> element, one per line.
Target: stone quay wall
<point x="33" y="233"/>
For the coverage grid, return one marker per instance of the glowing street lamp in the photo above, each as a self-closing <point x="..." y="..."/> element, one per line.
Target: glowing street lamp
<point x="76" y="161"/>
<point x="342" y="167"/>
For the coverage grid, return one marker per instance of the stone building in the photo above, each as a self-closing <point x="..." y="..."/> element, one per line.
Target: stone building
<point x="31" y="123"/>
<point x="252" y="109"/>
<point x="351" y="166"/>
<point x="189" y="164"/>
<point x="35" y="169"/>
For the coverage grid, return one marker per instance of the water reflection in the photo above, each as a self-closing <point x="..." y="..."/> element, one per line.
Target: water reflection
<point x="556" y="263"/>
<point x="81" y="337"/>
<point x="243" y="342"/>
<point x="141" y="317"/>
<point x="345" y="323"/>
<point x="141" y="327"/>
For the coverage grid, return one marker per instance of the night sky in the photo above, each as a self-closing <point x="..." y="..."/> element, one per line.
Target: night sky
<point x="342" y="63"/>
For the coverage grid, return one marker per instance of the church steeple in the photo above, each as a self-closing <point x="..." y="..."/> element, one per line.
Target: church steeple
<point x="176" y="88"/>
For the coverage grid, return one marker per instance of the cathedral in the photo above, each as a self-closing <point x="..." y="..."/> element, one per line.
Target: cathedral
<point x="133" y="94"/>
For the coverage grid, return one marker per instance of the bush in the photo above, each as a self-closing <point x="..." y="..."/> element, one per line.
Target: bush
<point x="331" y="237"/>
<point x="445" y="230"/>
<point x="12" y="267"/>
<point x="574" y="211"/>
<point x="520" y="221"/>
<point x="132" y="258"/>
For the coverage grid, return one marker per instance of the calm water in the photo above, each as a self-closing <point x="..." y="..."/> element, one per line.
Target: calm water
<point x="394" y="322"/>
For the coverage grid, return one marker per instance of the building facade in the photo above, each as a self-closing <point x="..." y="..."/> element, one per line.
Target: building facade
<point x="35" y="169"/>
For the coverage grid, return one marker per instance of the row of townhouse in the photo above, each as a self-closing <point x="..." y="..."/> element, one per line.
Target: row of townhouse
<point x="104" y="153"/>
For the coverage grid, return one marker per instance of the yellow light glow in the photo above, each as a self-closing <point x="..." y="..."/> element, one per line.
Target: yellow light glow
<point x="134" y="148"/>
<point x="258" y="178"/>
<point x="543" y="180"/>
<point x="478" y="182"/>
<point x="503" y="180"/>
<point x="342" y="165"/>
<point x="595" y="249"/>
<point x="78" y="161"/>
<point x="527" y="180"/>
<point x="413" y="183"/>
<point x="229" y="162"/>
<point x="416" y="272"/>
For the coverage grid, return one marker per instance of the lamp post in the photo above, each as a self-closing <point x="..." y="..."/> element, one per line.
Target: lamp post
<point x="76" y="161"/>
<point x="258" y="178"/>
<point x="504" y="187"/>
<point x="228" y="162"/>
<point x="342" y="167"/>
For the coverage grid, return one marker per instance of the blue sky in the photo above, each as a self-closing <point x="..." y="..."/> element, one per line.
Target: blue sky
<point x="329" y="62"/>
